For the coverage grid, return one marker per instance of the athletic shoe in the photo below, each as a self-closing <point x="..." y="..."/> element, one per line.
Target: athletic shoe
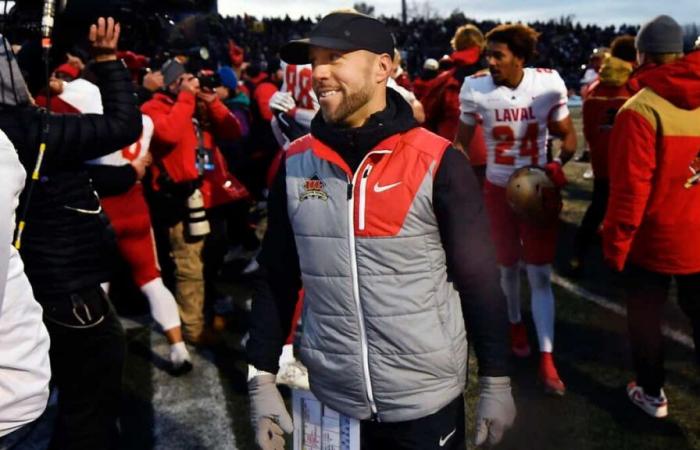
<point x="518" y="340"/>
<point x="549" y="377"/>
<point x="180" y="359"/>
<point x="588" y="174"/>
<point x="654" y="406"/>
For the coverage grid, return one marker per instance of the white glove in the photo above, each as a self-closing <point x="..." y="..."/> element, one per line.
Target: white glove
<point x="268" y="413"/>
<point x="282" y="101"/>
<point x="495" y="412"/>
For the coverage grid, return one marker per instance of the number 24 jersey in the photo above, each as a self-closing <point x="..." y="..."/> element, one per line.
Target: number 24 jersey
<point x="514" y="120"/>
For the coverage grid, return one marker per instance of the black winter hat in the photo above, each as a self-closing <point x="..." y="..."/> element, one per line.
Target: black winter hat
<point x="341" y="31"/>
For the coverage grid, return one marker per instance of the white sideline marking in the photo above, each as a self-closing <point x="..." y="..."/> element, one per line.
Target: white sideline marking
<point x="674" y="335"/>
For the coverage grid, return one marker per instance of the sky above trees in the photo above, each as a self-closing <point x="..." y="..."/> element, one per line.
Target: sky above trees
<point x="601" y="12"/>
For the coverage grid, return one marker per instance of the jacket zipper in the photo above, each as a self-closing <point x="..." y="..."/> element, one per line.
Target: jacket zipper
<point x="356" y="284"/>
<point x="363" y="196"/>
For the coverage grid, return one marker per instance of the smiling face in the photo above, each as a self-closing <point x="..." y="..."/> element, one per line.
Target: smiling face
<point x="350" y="86"/>
<point x="505" y="67"/>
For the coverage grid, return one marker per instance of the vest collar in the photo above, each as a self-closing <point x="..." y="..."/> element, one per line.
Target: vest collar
<point x="352" y="144"/>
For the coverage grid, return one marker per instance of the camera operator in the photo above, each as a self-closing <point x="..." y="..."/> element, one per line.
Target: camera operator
<point x="66" y="240"/>
<point x="178" y="171"/>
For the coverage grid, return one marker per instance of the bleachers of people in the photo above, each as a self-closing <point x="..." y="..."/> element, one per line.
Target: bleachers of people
<point x="564" y="45"/>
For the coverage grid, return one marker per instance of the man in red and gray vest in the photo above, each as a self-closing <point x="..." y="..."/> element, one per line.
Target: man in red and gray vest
<point x="383" y="223"/>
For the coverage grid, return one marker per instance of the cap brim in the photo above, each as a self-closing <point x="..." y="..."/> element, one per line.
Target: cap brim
<point x="297" y="52"/>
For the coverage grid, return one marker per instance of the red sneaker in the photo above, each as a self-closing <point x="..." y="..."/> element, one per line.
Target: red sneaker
<point x="518" y="340"/>
<point x="549" y="377"/>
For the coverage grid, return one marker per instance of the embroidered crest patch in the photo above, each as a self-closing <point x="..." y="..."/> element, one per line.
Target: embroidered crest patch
<point x="313" y="187"/>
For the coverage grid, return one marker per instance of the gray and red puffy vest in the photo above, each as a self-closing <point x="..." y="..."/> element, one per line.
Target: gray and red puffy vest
<point x="383" y="327"/>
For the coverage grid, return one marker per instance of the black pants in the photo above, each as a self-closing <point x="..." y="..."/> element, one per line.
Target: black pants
<point x="593" y="217"/>
<point x="87" y="358"/>
<point x="646" y="293"/>
<point x="443" y="430"/>
<point x="215" y="247"/>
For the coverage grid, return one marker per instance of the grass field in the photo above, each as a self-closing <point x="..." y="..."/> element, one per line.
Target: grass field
<point x="591" y="351"/>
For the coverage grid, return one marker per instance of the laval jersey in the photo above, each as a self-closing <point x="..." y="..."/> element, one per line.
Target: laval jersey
<point x="514" y="120"/>
<point x="297" y="81"/>
<point x="133" y="151"/>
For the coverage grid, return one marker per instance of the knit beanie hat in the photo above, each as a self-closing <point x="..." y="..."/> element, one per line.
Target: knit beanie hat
<point x="228" y="77"/>
<point x="661" y="34"/>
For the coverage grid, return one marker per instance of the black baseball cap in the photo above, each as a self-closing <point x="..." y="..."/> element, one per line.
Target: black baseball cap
<point x="341" y="31"/>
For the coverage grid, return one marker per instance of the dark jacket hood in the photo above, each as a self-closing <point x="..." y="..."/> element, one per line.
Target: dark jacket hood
<point x="352" y="144"/>
<point x="466" y="57"/>
<point x="678" y="81"/>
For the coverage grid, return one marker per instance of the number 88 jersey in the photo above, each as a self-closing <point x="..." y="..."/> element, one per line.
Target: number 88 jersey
<point x="514" y="120"/>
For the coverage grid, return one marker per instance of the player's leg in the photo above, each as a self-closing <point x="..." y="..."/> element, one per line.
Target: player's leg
<point x="504" y="232"/>
<point x="144" y="264"/>
<point x="137" y="246"/>
<point x="539" y="246"/>
<point x="165" y="313"/>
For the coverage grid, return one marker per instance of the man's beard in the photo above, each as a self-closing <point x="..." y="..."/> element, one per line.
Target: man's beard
<point x="350" y="104"/>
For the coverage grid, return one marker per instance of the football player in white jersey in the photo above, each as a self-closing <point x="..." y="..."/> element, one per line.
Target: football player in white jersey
<point x="519" y="107"/>
<point x="296" y="100"/>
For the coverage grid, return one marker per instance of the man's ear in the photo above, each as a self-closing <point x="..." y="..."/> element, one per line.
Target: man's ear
<point x="385" y="66"/>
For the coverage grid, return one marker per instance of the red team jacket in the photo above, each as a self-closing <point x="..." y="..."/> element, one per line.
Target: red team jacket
<point x="441" y="103"/>
<point x="174" y="141"/>
<point x="653" y="215"/>
<point x="605" y="97"/>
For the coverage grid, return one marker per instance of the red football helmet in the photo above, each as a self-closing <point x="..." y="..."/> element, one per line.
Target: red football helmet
<point x="533" y="196"/>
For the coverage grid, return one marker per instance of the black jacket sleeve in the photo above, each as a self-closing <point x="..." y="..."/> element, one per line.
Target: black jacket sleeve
<point x="74" y="138"/>
<point x="111" y="180"/>
<point x="471" y="261"/>
<point x="278" y="284"/>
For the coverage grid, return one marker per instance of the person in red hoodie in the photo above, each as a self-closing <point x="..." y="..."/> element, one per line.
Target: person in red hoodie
<point x="428" y="74"/>
<point x="653" y="213"/>
<point x="178" y="171"/>
<point x="441" y="100"/>
<point x="605" y="97"/>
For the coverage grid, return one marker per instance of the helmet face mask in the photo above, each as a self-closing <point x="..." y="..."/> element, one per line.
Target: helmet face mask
<point x="532" y="195"/>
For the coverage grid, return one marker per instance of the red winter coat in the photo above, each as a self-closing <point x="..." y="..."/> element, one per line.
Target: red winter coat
<point x="441" y="104"/>
<point x="653" y="215"/>
<point x="605" y="97"/>
<point x="420" y="87"/>
<point x="174" y="144"/>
